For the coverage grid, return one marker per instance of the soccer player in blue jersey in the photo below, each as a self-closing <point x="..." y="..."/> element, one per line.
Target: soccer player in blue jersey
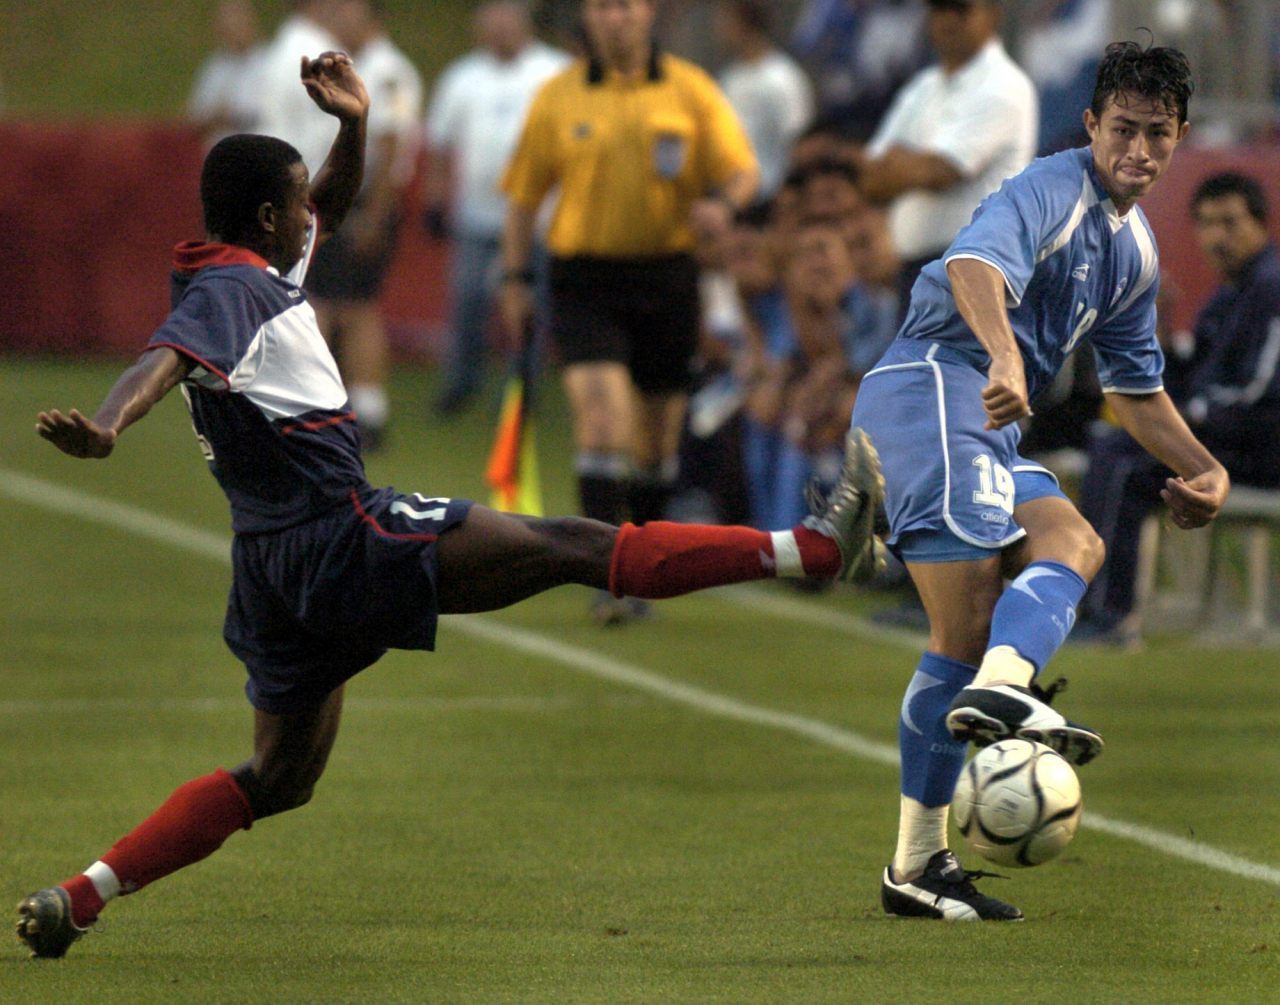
<point x="328" y="571"/>
<point x="1058" y="256"/>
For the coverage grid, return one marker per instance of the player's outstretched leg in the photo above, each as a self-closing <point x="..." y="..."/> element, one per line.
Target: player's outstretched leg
<point x="289" y="755"/>
<point x="495" y="559"/>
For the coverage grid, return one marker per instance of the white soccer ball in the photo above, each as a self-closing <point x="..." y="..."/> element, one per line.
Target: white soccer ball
<point x="1018" y="803"/>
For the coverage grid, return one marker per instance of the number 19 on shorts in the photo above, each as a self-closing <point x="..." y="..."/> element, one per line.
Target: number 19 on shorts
<point x="995" y="484"/>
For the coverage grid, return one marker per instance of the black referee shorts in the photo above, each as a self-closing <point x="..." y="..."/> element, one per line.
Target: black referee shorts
<point x="643" y="313"/>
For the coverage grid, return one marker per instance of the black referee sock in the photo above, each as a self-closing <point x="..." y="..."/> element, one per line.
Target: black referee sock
<point x="602" y="485"/>
<point x="650" y="492"/>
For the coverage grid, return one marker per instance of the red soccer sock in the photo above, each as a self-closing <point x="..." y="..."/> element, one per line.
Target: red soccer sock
<point x="190" y="825"/>
<point x="664" y="559"/>
<point x="86" y="903"/>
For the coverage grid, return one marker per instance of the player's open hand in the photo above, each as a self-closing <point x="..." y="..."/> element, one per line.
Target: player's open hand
<point x="74" y="434"/>
<point x="1005" y="397"/>
<point x="334" y="85"/>
<point x="1194" y="503"/>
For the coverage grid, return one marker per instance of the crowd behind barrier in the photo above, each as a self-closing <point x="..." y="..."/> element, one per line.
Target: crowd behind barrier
<point x="799" y="300"/>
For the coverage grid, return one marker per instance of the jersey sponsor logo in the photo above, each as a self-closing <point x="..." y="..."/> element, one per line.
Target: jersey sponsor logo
<point x="435" y="513"/>
<point x="1081" y="272"/>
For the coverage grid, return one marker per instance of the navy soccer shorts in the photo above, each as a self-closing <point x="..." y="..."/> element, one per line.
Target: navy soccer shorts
<point x="313" y="605"/>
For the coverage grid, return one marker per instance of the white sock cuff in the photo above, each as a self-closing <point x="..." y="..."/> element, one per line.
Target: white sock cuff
<point x="786" y="553"/>
<point x="104" y="880"/>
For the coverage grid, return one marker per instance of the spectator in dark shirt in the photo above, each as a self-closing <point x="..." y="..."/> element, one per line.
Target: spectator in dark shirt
<point x="1230" y="397"/>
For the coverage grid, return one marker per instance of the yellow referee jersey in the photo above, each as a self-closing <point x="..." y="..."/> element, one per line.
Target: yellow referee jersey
<point x="631" y="155"/>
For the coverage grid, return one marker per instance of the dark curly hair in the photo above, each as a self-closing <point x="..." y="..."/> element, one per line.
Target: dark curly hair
<point x="240" y="173"/>
<point x="1157" y="73"/>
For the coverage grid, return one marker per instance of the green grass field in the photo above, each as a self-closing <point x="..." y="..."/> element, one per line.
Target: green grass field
<point x="694" y="809"/>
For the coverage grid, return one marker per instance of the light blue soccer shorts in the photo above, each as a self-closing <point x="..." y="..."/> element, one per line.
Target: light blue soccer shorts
<point x="950" y="485"/>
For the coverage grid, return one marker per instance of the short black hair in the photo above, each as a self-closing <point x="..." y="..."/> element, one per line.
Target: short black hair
<point x="822" y="166"/>
<point x="1158" y="73"/>
<point x="754" y="14"/>
<point x="240" y="173"/>
<point x="1227" y="183"/>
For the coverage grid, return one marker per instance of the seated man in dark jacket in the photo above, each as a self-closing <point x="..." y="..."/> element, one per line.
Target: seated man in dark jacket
<point x="1228" y="391"/>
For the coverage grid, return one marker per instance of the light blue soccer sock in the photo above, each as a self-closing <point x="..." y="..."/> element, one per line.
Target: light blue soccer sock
<point x="1037" y="610"/>
<point x="931" y="759"/>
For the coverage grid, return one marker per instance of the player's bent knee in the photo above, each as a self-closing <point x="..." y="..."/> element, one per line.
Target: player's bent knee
<point x="275" y="794"/>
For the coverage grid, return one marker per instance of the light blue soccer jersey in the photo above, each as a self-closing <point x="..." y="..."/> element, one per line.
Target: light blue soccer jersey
<point x="1073" y="268"/>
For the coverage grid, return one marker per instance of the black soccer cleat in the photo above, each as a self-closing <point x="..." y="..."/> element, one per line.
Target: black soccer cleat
<point x="45" y="925"/>
<point x="945" y="892"/>
<point x="986" y="715"/>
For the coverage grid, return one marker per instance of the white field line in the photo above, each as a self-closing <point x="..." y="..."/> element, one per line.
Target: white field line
<point x="52" y="497"/>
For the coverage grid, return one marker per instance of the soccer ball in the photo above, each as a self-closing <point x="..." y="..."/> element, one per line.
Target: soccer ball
<point x="1017" y="803"/>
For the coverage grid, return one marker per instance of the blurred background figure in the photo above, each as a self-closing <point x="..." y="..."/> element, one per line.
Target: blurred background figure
<point x="952" y="134"/>
<point x="345" y="279"/>
<point x="224" y="98"/>
<point x="1228" y="391"/>
<point x="766" y="87"/>
<point x="284" y="110"/>
<point x="649" y="159"/>
<point x="477" y="110"/>
<point x="1060" y="46"/>
<point x="859" y="53"/>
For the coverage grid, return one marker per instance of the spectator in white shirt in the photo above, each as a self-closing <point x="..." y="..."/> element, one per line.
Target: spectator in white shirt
<point x="766" y="87"/>
<point x="952" y="134"/>
<point x="284" y="109"/>
<point x="475" y="119"/>
<point x="346" y="276"/>
<point x="224" y="99"/>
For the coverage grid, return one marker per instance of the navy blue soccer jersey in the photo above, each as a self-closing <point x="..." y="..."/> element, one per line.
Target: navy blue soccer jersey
<point x="1073" y="268"/>
<point x="266" y="400"/>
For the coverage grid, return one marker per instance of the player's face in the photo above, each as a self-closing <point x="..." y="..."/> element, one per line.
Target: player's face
<point x="293" y="220"/>
<point x="619" y="29"/>
<point x="1229" y="235"/>
<point x="1133" y="142"/>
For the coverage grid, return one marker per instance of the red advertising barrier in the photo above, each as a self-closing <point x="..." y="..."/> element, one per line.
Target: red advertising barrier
<point x="1169" y="210"/>
<point x="89" y="215"/>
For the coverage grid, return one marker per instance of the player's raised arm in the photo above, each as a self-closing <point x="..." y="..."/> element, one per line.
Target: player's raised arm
<point x="153" y="376"/>
<point x="978" y="289"/>
<point x="336" y="88"/>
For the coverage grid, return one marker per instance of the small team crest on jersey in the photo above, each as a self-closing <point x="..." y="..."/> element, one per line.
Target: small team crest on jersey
<point x="1081" y="272"/>
<point x="669" y="153"/>
<point x="582" y="130"/>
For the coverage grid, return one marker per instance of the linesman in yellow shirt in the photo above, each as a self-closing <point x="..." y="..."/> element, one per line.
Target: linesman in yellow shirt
<point x="648" y="157"/>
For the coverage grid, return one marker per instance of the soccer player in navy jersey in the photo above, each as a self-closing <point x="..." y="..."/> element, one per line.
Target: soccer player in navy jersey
<point x="1058" y="255"/>
<point x="328" y="571"/>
